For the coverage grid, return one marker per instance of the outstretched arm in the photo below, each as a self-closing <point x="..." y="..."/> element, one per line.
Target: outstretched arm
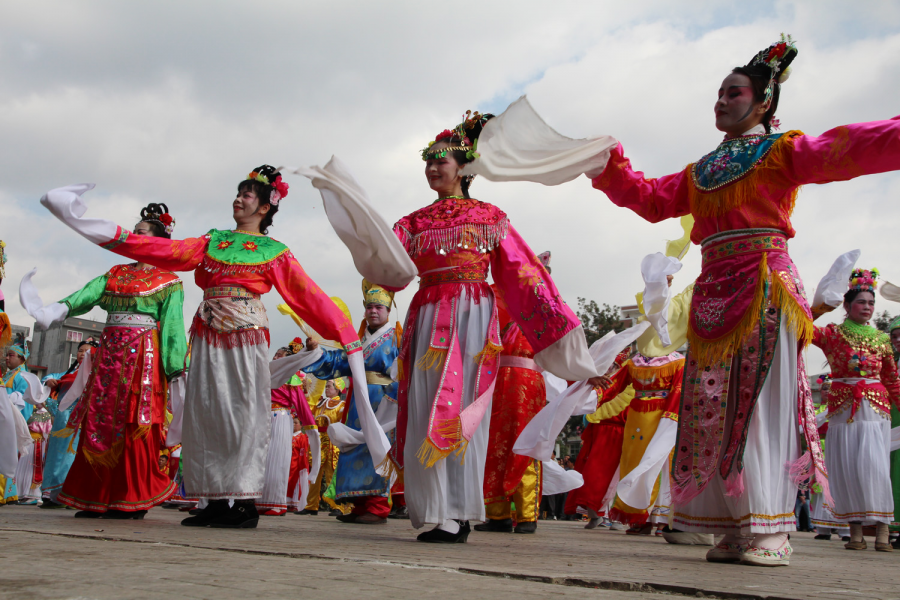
<point x="846" y="152"/>
<point x="173" y="255"/>
<point x="652" y="199"/>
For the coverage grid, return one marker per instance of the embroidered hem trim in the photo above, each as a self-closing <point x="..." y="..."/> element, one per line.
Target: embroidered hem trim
<point x="82" y="504"/>
<point x="482" y="237"/>
<point x="211" y="265"/>
<point x="645" y="373"/>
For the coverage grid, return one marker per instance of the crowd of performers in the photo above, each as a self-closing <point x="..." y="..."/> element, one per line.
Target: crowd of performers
<point x="433" y="420"/>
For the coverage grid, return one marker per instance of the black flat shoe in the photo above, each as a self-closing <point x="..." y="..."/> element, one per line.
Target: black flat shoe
<point x="137" y="515"/>
<point x="823" y="536"/>
<point x="51" y="504"/>
<point x="214" y="509"/>
<point x="88" y="514"/>
<point x="496" y="526"/>
<point x="526" y="527"/>
<point x="308" y="512"/>
<point x="348" y="518"/>
<point x="242" y="515"/>
<point x="401" y="513"/>
<point x="335" y="513"/>
<point x="439" y="536"/>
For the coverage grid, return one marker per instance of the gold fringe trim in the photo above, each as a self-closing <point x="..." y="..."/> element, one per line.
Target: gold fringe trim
<point x="432" y="359"/>
<point x="614" y="407"/>
<point x="708" y="352"/>
<point x="64" y="432"/>
<point x="490" y="350"/>
<point x="401" y="370"/>
<point x="792" y="313"/>
<point x="141" y="432"/>
<point x="667" y="370"/>
<point x="120" y="302"/>
<point x="107" y="458"/>
<point x="734" y="195"/>
<point x="450" y="429"/>
<point x="391" y="469"/>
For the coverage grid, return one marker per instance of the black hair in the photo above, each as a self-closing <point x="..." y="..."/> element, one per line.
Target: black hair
<point x="263" y="192"/>
<point x="460" y="155"/>
<point x="850" y="295"/>
<point x="759" y="81"/>
<point x="150" y="215"/>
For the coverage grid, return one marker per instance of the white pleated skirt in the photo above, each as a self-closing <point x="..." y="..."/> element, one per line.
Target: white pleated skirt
<point x="767" y="503"/>
<point x="858" y="460"/>
<point x="454" y="487"/>
<point x="278" y="462"/>
<point x="227" y="419"/>
<point x="25" y="485"/>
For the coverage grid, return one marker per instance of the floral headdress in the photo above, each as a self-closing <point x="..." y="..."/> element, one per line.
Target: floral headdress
<point x="864" y="280"/>
<point x="460" y="135"/>
<point x="267" y="175"/>
<point x="159" y="213"/>
<point x="777" y="58"/>
<point x="93" y="343"/>
<point x="294" y="346"/>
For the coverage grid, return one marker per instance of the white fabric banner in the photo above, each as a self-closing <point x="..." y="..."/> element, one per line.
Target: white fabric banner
<point x="176" y="396"/>
<point x="831" y="289"/>
<point x="636" y="488"/>
<point x="557" y="480"/>
<point x="377" y="253"/>
<point x="538" y="438"/>
<point x="66" y="205"/>
<point x="518" y="145"/>
<point x="30" y="299"/>
<point x="655" y="269"/>
<point x="84" y="373"/>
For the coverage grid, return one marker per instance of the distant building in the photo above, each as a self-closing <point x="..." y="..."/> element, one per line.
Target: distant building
<point x="629" y="315"/>
<point x="54" y="350"/>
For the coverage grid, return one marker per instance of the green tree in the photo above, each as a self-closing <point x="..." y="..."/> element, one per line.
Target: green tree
<point x="881" y="321"/>
<point x="597" y="321"/>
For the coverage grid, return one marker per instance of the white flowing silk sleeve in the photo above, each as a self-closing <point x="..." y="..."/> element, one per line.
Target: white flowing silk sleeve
<point x="13" y="431"/>
<point x="84" y="373"/>
<point x="518" y="145"/>
<point x="30" y="299"/>
<point x="176" y="398"/>
<point x="636" y="488"/>
<point x="655" y="268"/>
<point x="315" y="450"/>
<point x="377" y="253"/>
<point x="37" y="392"/>
<point x="557" y="480"/>
<point x="539" y="436"/>
<point x="66" y="205"/>
<point x="830" y="291"/>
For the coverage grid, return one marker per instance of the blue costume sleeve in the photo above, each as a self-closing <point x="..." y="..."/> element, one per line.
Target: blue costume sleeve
<point x="332" y="365"/>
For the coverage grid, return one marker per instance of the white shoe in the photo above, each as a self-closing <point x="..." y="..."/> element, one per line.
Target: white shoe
<point x="765" y="557"/>
<point x="727" y="551"/>
<point x="689" y="539"/>
<point x="616" y="526"/>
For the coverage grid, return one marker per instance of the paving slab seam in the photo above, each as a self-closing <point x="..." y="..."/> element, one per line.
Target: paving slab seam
<point x="611" y="584"/>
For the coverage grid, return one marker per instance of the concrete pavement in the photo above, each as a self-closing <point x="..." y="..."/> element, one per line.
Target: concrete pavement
<point x="49" y="554"/>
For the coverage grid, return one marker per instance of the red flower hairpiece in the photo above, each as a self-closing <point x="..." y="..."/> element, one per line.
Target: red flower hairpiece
<point x="443" y="135"/>
<point x="166" y="219"/>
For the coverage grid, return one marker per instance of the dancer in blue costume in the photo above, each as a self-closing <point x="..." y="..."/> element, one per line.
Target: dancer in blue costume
<point x="13" y="381"/>
<point x="59" y="457"/>
<point x="356" y="478"/>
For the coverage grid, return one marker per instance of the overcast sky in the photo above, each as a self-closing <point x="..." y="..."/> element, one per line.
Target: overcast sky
<point x="175" y="102"/>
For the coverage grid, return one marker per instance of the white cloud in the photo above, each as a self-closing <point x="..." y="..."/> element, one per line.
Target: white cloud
<point x="174" y="102"/>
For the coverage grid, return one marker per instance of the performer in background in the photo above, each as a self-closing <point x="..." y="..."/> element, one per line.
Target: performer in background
<point x="357" y="481"/>
<point x="61" y="449"/>
<point x="116" y="472"/>
<point x="298" y="478"/>
<point x="15" y="383"/>
<point x="328" y="410"/>
<point x="225" y="434"/>
<point x="864" y="385"/>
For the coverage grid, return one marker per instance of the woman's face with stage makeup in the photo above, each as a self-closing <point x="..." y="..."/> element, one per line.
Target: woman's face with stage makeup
<point x="736" y="110"/>
<point x="862" y="308"/>
<point x="443" y="173"/>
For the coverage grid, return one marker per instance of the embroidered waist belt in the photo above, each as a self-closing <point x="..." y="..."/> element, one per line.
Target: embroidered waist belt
<point x="519" y="361"/>
<point x="124" y="319"/>
<point x="228" y="291"/>
<point x="852" y="391"/>
<point x="280" y="408"/>
<point x="745" y="241"/>
<point x="376" y="378"/>
<point x="651" y="393"/>
<point x="460" y="275"/>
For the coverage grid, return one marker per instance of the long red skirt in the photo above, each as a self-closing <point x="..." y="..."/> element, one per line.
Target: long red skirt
<point x="597" y="462"/>
<point x="135" y="483"/>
